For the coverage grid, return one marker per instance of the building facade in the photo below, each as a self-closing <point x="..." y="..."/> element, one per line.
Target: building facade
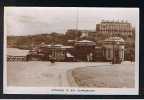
<point x="114" y="49"/>
<point x="117" y="28"/>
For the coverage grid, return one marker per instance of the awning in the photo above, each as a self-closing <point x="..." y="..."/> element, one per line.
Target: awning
<point x="69" y="55"/>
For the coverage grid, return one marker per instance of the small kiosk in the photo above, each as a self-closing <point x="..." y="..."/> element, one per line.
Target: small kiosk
<point x="114" y="49"/>
<point x="84" y="50"/>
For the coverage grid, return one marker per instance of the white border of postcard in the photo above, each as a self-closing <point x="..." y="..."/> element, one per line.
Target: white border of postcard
<point x="74" y="90"/>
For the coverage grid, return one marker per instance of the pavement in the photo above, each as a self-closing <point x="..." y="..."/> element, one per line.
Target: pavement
<point x="40" y="74"/>
<point x="106" y="76"/>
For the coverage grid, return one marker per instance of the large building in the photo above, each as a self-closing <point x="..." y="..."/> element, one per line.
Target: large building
<point x="117" y="28"/>
<point x="123" y="29"/>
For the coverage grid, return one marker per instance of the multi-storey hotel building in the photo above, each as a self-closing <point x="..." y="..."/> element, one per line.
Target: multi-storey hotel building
<point x="122" y="28"/>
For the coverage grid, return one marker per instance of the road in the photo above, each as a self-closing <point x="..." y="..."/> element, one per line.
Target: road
<point x="37" y="73"/>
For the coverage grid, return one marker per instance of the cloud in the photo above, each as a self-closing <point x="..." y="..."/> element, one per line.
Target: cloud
<point x="35" y="20"/>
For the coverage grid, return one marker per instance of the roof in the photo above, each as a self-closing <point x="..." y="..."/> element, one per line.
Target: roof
<point x="114" y="39"/>
<point x="85" y="42"/>
<point x="16" y="52"/>
<point x="60" y="46"/>
<point x="67" y="47"/>
<point x="71" y="40"/>
<point x="50" y="45"/>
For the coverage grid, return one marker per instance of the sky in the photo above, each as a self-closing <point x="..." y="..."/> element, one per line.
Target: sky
<point x="21" y="21"/>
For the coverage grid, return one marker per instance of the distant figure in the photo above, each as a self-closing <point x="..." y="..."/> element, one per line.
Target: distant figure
<point x="52" y="59"/>
<point x="131" y="58"/>
<point x="89" y="57"/>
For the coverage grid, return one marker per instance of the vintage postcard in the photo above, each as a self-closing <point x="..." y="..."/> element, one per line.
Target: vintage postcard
<point x="71" y="50"/>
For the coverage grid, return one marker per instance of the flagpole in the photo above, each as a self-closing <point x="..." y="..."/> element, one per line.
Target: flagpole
<point x="77" y="18"/>
<point x="77" y="21"/>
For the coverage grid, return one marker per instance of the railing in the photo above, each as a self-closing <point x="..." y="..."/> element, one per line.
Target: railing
<point x="16" y="58"/>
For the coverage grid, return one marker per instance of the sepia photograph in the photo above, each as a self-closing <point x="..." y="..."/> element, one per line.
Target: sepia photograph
<point x="71" y="50"/>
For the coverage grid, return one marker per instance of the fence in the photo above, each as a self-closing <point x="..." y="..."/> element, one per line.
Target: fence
<point x="16" y="58"/>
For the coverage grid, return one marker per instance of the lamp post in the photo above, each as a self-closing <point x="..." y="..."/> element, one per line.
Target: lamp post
<point x="113" y="59"/>
<point x="52" y="58"/>
<point x="118" y="52"/>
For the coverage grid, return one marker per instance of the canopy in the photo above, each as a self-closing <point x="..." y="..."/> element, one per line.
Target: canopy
<point x="114" y="39"/>
<point x="85" y="42"/>
<point x="69" y="55"/>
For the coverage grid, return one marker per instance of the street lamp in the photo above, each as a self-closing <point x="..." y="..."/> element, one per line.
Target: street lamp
<point x="118" y="52"/>
<point x="113" y="59"/>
